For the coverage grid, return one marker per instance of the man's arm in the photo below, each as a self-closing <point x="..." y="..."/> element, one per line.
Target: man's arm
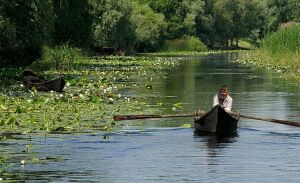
<point x="216" y="100"/>
<point x="228" y="104"/>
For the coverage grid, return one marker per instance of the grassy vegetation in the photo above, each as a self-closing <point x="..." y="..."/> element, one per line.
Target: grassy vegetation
<point x="279" y="51"/>
<point x="189" y="53"/>
<point x="285" y="41"/>
<point x="243" y="44"/>
<point x="188" y="43"/>
<point x="57" y="58"/>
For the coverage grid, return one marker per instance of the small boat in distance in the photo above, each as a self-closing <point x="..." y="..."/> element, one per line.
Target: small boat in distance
<point x="33" y="81"/>
<point x="216" y="121"/>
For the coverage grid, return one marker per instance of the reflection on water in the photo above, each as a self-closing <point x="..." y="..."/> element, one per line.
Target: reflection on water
<point x="215" y="144"/>
<point x="219" y="142"/>
<point x="160" y="151"/>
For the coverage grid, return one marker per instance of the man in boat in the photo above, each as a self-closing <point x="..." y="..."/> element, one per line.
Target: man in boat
<point x="223" y="99"/>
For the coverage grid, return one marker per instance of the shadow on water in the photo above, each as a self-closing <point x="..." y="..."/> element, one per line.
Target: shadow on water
<point x="220" y="142"/>
<point x="215" y="148"/>
<point x="214" y="141"/>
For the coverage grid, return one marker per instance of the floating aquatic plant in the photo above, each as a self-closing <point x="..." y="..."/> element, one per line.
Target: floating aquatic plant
<point x="93" y="93"/>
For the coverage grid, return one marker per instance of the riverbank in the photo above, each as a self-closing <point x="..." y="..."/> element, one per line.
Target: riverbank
<point x="288" y="66"/>
<point x="279" y="51"/>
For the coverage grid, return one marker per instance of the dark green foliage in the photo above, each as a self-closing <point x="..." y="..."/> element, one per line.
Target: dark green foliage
<point x="188" y="43"/>
<point x="25" y="26"/>
<point x="72" y="22"/>
<point x="148" y="27"/>
<point x="57" y="58"/>
<point x="282" y="11"/>
<point x="111" y="24"/>
<point x="224" y="21"/>
<point x="134" y="25"/>
<point x="179" y="14"/>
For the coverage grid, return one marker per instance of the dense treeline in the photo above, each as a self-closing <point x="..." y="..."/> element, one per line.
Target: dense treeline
<point x="134" y="25"/>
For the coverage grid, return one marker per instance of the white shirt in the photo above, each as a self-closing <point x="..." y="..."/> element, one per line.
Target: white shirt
<point x="227" y="103"/>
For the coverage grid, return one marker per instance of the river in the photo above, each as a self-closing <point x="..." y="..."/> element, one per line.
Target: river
<point x="162" y="151"/>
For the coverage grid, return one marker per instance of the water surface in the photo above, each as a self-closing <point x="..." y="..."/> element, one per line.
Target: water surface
<point x="161" y="151"/>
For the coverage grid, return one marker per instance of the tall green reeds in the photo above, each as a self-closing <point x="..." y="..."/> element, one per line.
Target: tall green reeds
<point x="283" y="47"/>
<point x="57" y="58"/>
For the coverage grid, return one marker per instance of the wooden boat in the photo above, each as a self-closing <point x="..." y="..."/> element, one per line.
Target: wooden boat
<point x="217" y="121"/>
<point x="32" y="81"/>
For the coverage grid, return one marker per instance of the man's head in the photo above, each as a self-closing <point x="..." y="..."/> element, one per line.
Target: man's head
<point x="224" y="91"/>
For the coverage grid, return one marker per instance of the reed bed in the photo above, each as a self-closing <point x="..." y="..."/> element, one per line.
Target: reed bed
<point x="279" y="51"/>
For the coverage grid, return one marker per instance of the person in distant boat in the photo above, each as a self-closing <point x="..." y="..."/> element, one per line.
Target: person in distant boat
<point x="223" y="99"/>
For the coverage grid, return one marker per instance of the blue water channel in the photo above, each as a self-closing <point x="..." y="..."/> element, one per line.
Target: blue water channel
<point x="160" y="150"/>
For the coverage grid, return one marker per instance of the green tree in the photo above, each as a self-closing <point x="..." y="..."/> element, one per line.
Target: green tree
<point x="246" y="16"/>
<point x="223" y="22"/>
<point x="25" y="26"/>
<point x="148" y="27"/>
<point x="294" y="6"/>
<point x="111" y="25"/>
<point x="205" y="28"/>
<point x="72" y="22"/>
<point x="277" y="12"/>
<point x="254" y="21"/>
<point x="192" y="10"/>
<point x="180" y="15"/>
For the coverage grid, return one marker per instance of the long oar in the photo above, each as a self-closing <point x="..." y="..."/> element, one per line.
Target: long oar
<point x="132" y="117"/>
<point x="291" y="123"/>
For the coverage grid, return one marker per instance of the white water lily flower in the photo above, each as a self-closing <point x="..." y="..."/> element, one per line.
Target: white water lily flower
<point x="111" y="99"/>
<point x="109" y="89"/>
<point x="128" y="99"/>
<point x="1" y="179"/>
<point x="68" y="84"/>
<point x="119" y="95"/>
<point x="23" y="162"/>
<point x="81" y="96"/>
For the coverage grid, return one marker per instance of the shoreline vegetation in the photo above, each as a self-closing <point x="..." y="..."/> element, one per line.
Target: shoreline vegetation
<point x="279" y="51"/>
<point x="95" y="90"/>
<point x="94" y="80"/>
<point x="132" y="26"/>
<point x="95" y="83"/>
